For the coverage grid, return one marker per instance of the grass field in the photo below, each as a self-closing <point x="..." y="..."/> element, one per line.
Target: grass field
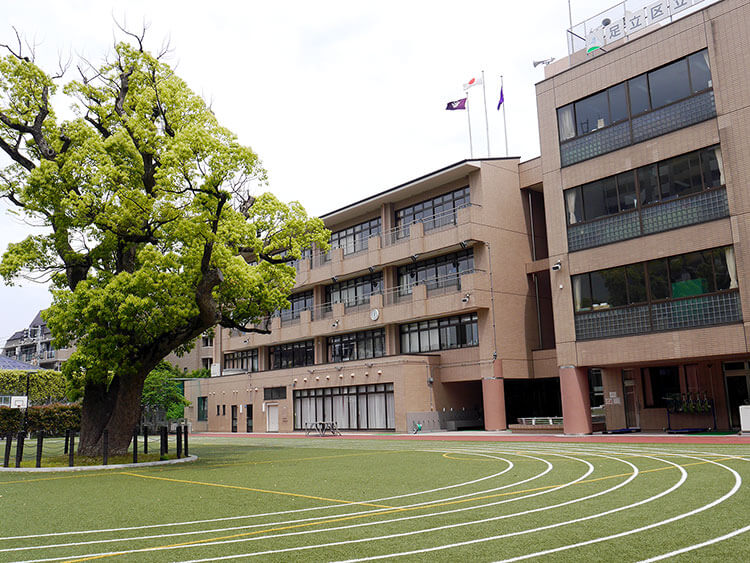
<point x="342" y="500"/>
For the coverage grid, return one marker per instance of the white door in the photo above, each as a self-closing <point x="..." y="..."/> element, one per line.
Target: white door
<point x="272" y="418"/>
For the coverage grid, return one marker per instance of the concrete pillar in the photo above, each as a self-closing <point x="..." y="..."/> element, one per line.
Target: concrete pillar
<point x="493" y="397"/>
<point x="574" y="389"/>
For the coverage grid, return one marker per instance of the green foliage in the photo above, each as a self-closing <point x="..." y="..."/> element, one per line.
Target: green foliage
<point x="45" y="386"/>
<point x="52" y="419"/>
<point x="199" y="373"/>
<point x="162" y="391"/>
<point x="153" y="234"/>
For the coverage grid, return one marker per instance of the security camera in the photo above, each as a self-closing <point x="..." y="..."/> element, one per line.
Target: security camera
<point x="557" y="266"/>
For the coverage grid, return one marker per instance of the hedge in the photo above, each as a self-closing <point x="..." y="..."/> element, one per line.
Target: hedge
<point x="53" y="419"/>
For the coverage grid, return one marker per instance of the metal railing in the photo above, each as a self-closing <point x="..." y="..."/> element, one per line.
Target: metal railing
<point x="444" y="219"/>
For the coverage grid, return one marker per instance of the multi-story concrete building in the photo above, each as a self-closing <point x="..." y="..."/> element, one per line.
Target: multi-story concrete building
<point x="646" y="166"/>
<point x="422" y="311"/>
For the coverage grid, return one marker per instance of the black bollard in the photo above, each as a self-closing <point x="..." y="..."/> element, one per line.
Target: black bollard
<point x="19" y="449"/>
<point x="135" y="445"/>
<point x="165" y="433"/>
<point x="179" y="441"/>
<point x="71" y="448"/>
<point x="67" y="439"/>
<point x="8" y="444"/>
<point x="105" y="447"/>
<point x="39" y="446"/>
<point x="185" y="438"/>
<point x="145" y="439"/>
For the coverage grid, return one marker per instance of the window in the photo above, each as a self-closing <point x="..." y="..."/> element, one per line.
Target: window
<point x="437" y="272"/>
<point x="274" y="393"/>
<point x="356" y="346"/>
<point x="356" y="291"/>
<point x="439" y="334"/>
<point x="655" y="183"/>
<point x="436" y="212"/>
<point x="206" y="363"/>
<point x="207" y="340"/>
<point x="685" y="275"/>
<point x="218" y="410"/>
<point x="596" y="389"/>
<point x="295" y="354"/>
<point x="355" y="407"/>
<point x="224" y="410"/>
<point x="202" y="408"/>
<point x="355" y="238"/>
<point x="298" y="302"/>
<point x="660" y="87"/>
<point x="660" y="384"/>
<point x="246" y="360"/>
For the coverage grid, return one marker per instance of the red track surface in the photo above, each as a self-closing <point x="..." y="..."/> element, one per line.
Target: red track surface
<point x="460" y="437"/>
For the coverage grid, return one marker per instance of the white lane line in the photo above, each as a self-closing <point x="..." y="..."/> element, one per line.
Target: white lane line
<point x="278" y="513"/>
<point x="222" y="542"/>
<point x="698" y="545"/>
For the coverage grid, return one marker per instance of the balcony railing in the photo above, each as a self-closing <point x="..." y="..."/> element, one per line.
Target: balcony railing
<point x="676" y="314"/>
<point x="442" y="220"/>
<point x="640" y="128"/>
<point x="350" y="247"/>
<point x="688" y="210"/>
<point x="435" y="286"/>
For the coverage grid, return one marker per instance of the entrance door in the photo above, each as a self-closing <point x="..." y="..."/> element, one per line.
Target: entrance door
<point x="630" y="399"/>
<point x="249" y="416"/>
<point x="738" y="389"/>
<point x="234" y="418"/>
<point x="272" y="418"/>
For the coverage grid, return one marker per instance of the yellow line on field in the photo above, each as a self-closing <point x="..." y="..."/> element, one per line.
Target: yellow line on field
<point x="213" y="465"/>
<point x="238" y="487"/>
<point x="447" y="456"/>
<point x="386" y="512"/>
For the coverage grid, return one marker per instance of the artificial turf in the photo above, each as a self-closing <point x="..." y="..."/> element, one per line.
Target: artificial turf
<point x="479" y="501"/>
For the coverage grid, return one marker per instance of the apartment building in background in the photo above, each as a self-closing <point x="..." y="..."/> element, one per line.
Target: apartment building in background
<point x="33" y="345"/>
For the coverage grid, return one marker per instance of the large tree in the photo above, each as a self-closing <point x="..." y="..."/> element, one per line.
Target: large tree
<point x="152" y="234"/>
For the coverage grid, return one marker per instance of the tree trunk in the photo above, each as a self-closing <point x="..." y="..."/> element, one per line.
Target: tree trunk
<point x="116" y="409"/>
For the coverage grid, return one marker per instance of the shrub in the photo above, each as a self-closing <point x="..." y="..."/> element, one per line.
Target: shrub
<point x="53" y="419"/>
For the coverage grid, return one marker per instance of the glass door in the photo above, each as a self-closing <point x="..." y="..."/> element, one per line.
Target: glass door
<point x="630" y="399"/>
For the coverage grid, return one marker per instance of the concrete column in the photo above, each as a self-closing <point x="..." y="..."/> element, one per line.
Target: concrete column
<point x="493" y="397"/>
<point x="574" y="388"/>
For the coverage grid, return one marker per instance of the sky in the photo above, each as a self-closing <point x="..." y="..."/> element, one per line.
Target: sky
<point x="340" y="99"/>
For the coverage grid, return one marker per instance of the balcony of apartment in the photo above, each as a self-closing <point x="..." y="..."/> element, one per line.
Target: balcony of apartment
<point x="442" y="230"/>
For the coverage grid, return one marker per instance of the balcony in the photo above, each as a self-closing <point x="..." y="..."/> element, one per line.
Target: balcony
<point x="697" y="208"/>
<point x="676" y="314"/>
<point x="653" y="124"/>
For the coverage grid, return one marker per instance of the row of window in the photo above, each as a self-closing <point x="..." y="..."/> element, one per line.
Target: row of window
<point x="662" y="181"/>
<point x="356" y="407"/>
<point x="298" y="302"/>
<point x="433" y="213"/>
<point x="355" y="291"/>
<point x="356" y="345"/>
<point x="246" y="360"/>
<point x="424" y="336"/>
<point x="439" y="334"/>
<point x="684" y="275"/>
<point x="649" y="91"/>
<point x="436" y="272"/>
<point x="354" y="239"/>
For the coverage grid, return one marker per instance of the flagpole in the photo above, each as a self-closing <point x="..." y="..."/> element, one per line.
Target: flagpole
<point x="505" y="125"/>
<point x="468" y="116"/>
<point x="486" y="121"/>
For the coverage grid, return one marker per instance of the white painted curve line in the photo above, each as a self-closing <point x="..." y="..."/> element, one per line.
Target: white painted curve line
<point x="248" y="516"/>
<point x="282" y="523"/>
<point x="306" y="532"/>
<point x="683" y="477"/>
<point x="698" y="545"/>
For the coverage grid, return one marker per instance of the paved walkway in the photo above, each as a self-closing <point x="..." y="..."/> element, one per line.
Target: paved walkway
<point x="506" y="436"/>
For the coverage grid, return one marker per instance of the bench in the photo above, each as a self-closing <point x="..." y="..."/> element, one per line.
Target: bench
<point x="321" y="427"/>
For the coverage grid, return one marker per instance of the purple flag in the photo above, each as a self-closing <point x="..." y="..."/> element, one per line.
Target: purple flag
<point x="458" y="104"/>
<point x="502" y="99"/>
